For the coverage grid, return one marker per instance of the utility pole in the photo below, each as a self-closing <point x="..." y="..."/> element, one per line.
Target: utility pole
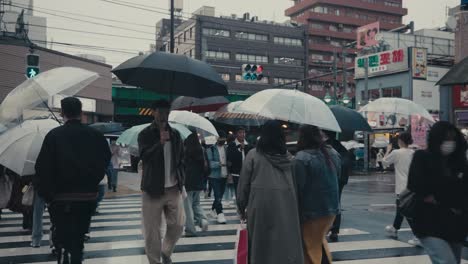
<point x="335" y="83"/>
<point x="172" y="27"/>
<point x="345" y="77"/>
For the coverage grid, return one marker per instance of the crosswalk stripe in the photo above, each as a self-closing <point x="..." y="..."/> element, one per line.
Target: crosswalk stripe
<point x="116" y="238"/>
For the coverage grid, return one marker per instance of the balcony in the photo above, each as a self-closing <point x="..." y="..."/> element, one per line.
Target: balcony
<point x="330" y="48"/>
<point x="378" y="7"/>
<point x="345" y="20"/>
<point x="333" y="34"/>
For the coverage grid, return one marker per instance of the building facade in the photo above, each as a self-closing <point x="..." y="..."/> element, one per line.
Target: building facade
<point x="332" y="24"/>
<point x="229" y="42"/>
<point x="96" y="97"/>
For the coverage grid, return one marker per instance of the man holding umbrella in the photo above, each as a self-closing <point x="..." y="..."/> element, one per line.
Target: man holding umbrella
<point x="70" y="165"/>
<point x="162" y="152"/>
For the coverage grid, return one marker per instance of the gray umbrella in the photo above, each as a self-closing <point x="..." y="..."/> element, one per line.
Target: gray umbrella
<point x="172" y="74"/>
<point x="457" y="75"/>
<point x="350" y="121"/>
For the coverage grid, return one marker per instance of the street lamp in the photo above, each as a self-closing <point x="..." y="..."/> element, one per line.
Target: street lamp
<point x="327" y="98"/>
<point x="346" y="99"/>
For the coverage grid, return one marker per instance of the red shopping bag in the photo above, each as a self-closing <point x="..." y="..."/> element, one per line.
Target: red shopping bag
<point x="242" y="247"/>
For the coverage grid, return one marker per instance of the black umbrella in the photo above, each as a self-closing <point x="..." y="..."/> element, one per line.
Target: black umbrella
<point x="457" y="75"/>
<point x="172" y="74"/>
<point x="349" y="120"/>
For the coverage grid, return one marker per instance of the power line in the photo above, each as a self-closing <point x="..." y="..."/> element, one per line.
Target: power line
<point x="93" y="17"/>
<point x="85" y="21"/>
<point x="89" y="32"/>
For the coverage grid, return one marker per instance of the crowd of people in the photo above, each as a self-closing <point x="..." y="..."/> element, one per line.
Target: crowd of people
<point x="289" y="203"/>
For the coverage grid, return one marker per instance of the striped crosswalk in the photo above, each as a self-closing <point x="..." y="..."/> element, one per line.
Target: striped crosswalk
<point x="116" y="238"/>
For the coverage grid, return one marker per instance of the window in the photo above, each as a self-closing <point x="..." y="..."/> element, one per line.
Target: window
<point x="185" y="36"/>
<point x="349" y="60"/>
<point x="264" y="80"/>
<point x="316" y="57"/>
<point x="217" y="55"/>
<point x="178" y="39"/>
<point x="348" y="30"/>
<point x="282" y="81"/>
<point x="333" y="28"/>
<point x="392" y="4"/>
<point x="288" y="61"/>
<point x="288" y="41"/>
<point x="226" y="76"/>
<point x="320" y="9"/>
<point x="251" y="36"/>
<point x="216" y="32"/>
<point x="191" y="33"/>
<point x="251" y="58"/>
<point x="316" y="26"/>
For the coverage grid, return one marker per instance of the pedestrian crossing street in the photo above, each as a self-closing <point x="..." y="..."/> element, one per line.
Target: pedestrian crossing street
<point x="116" y="238"/>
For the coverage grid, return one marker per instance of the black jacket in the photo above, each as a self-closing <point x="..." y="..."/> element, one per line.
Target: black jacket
<point x="345" y="160"/>
<point x="449" y="218"/>
<point x="72" y="161"/>
<point x="194" y="173"/>
<point x="234" y="158"/>
<point x="152" y="156"/>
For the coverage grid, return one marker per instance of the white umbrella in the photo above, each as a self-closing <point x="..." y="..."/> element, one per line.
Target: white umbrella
<point x="190" y="119"/>
<point x="352" y="144"/>
<point x="292" y="106"/>
<point x="20" y="146"/>
<point x="36" y="91"/>
<point x="397" y="106"/>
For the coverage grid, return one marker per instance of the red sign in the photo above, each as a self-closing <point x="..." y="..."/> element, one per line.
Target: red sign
<point x="460" y="96"/>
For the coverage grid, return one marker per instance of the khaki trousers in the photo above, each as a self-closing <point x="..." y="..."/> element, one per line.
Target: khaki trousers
<point x="171" y="204"/>
<point x="314" y="233"/>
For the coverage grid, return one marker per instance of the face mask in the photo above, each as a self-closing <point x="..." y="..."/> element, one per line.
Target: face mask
<point x="448" y="147"/>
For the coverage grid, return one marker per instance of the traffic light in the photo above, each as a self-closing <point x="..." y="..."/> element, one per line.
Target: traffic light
<point x="32" y="65"/>
<point x="252" y="72"/>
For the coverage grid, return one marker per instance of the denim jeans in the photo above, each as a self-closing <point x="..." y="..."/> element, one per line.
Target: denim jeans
<point x="38" y="211"/>
<point x="441" y="251"/>
<point x="193" y="211"/>
<point x="219" y="186"/>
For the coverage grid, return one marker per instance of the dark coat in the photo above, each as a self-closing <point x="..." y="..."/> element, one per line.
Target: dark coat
<point x="449" y="218"/>
<point x="72" y="161"/>
<point x="152" y="156"/>
<point x="194" y="173"/>
<point x="267" y="191"/>
<point x="234" y="157"/>
<point x="345" y="157"/>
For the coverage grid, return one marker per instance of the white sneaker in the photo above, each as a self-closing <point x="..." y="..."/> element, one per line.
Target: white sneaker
<point x="221" y="219"/>
<point x="204" y="225"/>
<point x="414" y="242"/>
<point x="391" y="231"/>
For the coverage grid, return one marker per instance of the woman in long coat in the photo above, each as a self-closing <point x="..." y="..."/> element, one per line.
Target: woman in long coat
<point x="267" y="200"/>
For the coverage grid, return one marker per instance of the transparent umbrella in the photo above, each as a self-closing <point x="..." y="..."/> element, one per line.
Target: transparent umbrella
<point x="190" y="119"/>
<point x="20" y="146"/>
<point x="129" y="137"/>
<point x="397" y="106"/>
<point x="291" y="106"/>
<point x="36" y="91"/>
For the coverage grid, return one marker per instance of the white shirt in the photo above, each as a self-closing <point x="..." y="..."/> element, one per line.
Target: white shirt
<point x="222" y="160"/>
<point x="243" y="152"/>
<point x="170" y="177"/>
<point x="401" y="158"/>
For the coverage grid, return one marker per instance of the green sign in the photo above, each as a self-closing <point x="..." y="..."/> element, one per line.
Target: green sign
<point x="32" y="72"/>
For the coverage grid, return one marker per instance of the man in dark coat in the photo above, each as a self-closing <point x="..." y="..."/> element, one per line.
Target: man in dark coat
<point x="342" y="181"/>
<point x="236" y="153"/>
<point x="70" y="165"/>
<point x="162" y="153"/>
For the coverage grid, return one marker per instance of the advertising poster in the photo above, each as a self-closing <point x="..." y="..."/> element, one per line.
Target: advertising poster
<point x="419" y="63"/>
<point x="419" y="129"/>
<point x="366" y="35"/>
<point x="460" y="96"/>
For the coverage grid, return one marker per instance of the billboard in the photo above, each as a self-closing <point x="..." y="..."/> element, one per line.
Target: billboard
<point x="419" y="63"/>
<point x="366" y="35"/>
<point x="382" y="63"/>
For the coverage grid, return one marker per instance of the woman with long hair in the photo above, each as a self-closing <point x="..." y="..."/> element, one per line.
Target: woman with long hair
<point x="266" y="198"/>
<point x="194" y="185"/>
<point x="317" y="169"/>
<point x="438" y="177"/>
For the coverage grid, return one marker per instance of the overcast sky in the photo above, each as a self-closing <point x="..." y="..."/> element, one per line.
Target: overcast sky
<point x="425" y="13"/>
